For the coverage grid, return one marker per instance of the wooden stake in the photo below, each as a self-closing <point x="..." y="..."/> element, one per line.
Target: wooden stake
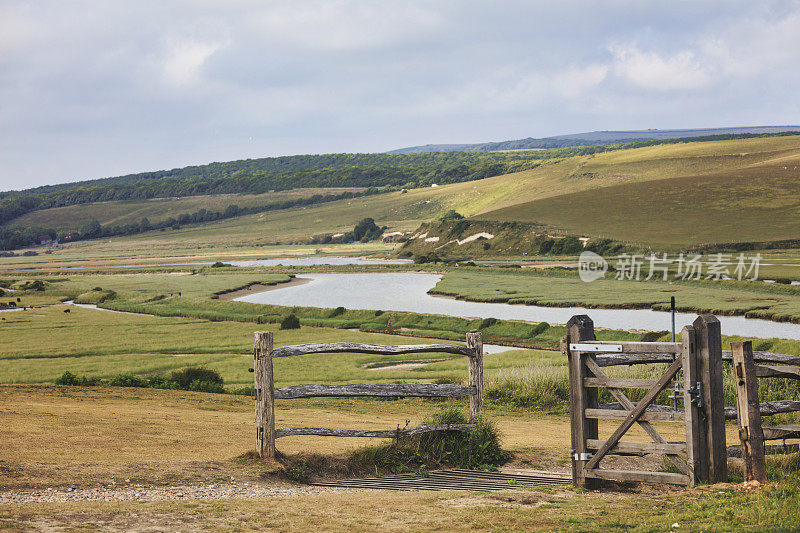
<point x="696" y="449"/>
<point x="264" y="394"/>
<point x="580" y="328"/>
<point x="475" y="343"/>
<point x="708" y="338"/>
<point x="749" y="414"/>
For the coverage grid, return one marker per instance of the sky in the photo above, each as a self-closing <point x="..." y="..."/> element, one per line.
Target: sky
<point x="94" y="89"/>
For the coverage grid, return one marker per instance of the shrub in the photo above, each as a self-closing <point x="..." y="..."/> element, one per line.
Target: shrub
<point x="378" y="312"/>
<point x="487" y="322"/>
<point x="290" y="322"/>
<point x="206" y="386"/>
<point x="68" y="378"/>
<point x="220" y="264"/>
<point x="98" y="289"/>
<point x="653" y="336"/>
<point x="478" y="448"/>
<point x="127" y="380"/>
<point x="451" y="215"/>
<point x="487" y="245"/>
<point x="338" y="311"/>
<point x="539" y="328"/>
<point x="184" y="378"/>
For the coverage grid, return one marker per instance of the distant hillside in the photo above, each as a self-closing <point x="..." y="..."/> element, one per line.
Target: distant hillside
<point x="595" y="137"/>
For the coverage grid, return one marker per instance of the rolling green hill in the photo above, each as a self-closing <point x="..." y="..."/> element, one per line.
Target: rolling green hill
<point x="758" y="202"/>
<point x="666" y="195"/>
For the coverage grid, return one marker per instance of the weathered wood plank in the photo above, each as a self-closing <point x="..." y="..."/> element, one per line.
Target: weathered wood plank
<point x="580" y="328"/>
<point x="749" y="415"/>
<point x="635" y="475"/>
<point x="638" y="448"/>
<point x="619" y="383"/>
<point x="696" y="455"/>
<point x="648" y="428"/>
<point x="264" y="394"/>
<point x="772" y="371"/>
<point x="633" y="359"/>
<point x="708" y="341"/>
<point x="784" y="431"/>
<point x="632" y="347"/>
<point x="475" y="374"/>
<point x="769" y="449"/>
<point x="648" y="416"/>
<point x="767" y="408"/>
<point x="355" y="347"/>
<point x="446" y="390"/>
<point x="382" y="434"/>
<point x="636" y="413"/>
<point x="647" y="358"/>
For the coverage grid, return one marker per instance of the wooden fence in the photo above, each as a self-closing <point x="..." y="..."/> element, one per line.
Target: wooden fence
<point x="749" y="409"/>
<point x="699" y="356"/>
<point x="701" y="457"/>
<point x="266" y="394"/>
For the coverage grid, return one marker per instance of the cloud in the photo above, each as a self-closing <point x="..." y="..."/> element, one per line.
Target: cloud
<point x="183" y="61"/>
<point x="92" y="89"/>
<point x="660" y="72"/>
<point x="576" y="81"/>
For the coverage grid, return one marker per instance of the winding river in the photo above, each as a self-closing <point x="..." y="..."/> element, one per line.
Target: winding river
<point x="409" y="292"/>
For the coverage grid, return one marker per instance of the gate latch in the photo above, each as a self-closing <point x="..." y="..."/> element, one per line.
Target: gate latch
<point x="696" y="394"/>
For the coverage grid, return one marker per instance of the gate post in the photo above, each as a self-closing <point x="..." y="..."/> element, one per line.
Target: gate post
<point x="708" y="338"/>
<point x="475" y="341"/>
<point x="264" y="394"/>
<point x="696" y="447"/>
<point x="580" y="328"/>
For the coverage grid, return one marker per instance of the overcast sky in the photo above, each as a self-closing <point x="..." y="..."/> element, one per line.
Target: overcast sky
<point x="93" y="89"/>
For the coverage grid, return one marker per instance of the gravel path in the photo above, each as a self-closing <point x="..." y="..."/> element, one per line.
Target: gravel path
<point x="111" y="493"/>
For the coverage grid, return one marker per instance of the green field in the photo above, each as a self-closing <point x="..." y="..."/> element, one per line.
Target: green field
<point x="155" y="209"/>
<point x="757" y="203"/>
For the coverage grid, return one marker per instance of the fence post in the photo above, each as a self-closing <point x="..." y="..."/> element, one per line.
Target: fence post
<point x="696" y="448"/>
<point x="749" y="413"/>
<point x="264" y="394"/>
<point x="708" y="338"/>
<point x="475" y="341"/>
<point x="580" y="328"/>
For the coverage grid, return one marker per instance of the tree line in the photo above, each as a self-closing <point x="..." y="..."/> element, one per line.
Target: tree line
<point x="13" y="237"/>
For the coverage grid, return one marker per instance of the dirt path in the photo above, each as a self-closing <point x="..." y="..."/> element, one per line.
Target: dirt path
<point x="141" y="493"/>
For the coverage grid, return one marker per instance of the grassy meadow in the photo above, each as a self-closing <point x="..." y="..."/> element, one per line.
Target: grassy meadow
<point x="756" y="203"/>
<point x="157" y="209"/>
<point x="131" y="438"/>
<point x="563" y="289"/>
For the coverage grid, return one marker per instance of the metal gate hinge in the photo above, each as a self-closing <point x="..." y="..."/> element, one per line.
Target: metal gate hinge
<point x="582" y="456"/>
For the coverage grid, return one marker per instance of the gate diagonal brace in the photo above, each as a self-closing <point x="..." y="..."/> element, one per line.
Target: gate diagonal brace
<point x="648" y="428"/>
<point x="634" y="413"/>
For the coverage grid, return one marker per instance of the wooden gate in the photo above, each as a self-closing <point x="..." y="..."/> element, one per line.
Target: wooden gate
<point x="697" y="403"/>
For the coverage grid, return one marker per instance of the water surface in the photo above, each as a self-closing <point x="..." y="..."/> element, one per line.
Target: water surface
<point x="408" y="291"/>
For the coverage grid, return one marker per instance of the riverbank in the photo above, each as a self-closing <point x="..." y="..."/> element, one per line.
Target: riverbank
<point x="258" y="288"/>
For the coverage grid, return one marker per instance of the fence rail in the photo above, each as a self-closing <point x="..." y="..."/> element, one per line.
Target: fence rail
<point x="266" y="394"/>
